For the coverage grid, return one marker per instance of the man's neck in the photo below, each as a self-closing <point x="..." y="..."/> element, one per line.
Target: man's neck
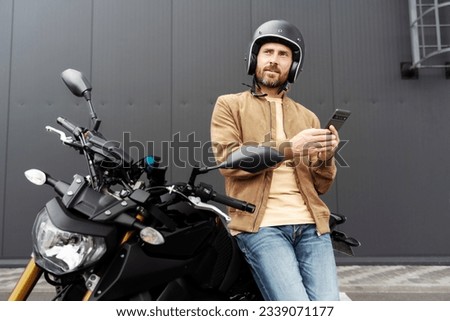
<point x="271" y="92"/>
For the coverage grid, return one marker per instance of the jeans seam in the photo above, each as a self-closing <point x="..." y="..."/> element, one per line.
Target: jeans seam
<point x="250" y="261"/>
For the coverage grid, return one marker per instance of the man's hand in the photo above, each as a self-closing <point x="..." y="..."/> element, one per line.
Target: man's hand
<point x="325" y="155"/>
<point x="314" y="142"/>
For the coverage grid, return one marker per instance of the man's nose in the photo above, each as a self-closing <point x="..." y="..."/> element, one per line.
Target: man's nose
<point x="274" y="59"/>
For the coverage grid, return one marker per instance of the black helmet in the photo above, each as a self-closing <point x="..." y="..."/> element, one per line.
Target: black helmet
<point x="282" y="32"/>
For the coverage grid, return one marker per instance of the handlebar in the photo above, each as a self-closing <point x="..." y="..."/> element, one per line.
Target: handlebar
<point x="75" y="130"/>
<point x="206" y="192"/>
<point x="97" y="143"/>
<point x="233" y="202"/>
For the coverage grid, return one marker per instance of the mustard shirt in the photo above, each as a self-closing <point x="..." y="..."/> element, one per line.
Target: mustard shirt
<point x="285" y="205"/>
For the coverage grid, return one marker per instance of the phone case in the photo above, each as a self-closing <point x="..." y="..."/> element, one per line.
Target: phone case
<point x="338" y="118"/>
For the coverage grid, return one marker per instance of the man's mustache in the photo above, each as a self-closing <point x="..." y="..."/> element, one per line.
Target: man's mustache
<point x="272" y="69"/>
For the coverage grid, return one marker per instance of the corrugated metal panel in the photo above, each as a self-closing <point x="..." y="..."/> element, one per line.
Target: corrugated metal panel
<point x="6" y="8"/>
<point x="396" y="197"/>
<point x="48" y="37"/>
<point x="209" y="45"/>
<point x="131" y="66"/>
<point x="158" y="66"/>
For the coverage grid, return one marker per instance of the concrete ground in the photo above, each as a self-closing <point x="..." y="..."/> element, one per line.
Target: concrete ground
<point x="395" y="283"/>
<point x="357" y="283"/>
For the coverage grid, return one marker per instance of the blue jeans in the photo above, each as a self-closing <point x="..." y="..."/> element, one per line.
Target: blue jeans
<point x="291" y="263"/>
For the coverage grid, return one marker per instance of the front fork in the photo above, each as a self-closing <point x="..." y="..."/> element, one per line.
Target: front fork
<point x="32" y="274"/>
<point x="125" y="239"/>
<point x="27" y="281"/>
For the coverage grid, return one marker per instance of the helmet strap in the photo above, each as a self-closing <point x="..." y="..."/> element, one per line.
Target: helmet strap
<point x="253" y="89"/>
<point x="283" y="87"/>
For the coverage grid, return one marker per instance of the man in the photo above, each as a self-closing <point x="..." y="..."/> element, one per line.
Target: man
<point x="286" y="241"/>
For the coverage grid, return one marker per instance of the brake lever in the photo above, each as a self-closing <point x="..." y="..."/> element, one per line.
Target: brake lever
<point x="62" y="136"/>
<point x="198" y="204"/>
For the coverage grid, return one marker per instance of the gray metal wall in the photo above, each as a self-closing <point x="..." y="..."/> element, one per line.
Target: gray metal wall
<point x="157" y="67"/>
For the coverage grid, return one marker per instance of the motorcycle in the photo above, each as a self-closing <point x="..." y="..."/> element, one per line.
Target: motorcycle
<point x="123" y="233"/>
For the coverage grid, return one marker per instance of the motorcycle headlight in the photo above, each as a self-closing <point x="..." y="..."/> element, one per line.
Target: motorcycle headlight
<point x="61" y="252"/>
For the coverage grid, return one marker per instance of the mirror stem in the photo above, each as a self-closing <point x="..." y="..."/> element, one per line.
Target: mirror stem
<point x="207" y="169"/>
<point x="93" y="115"/>
<point x="97" y="125"/>
<point x="95" y="120"/>
<point x="201" y="170"/>
<point x="194" y="173"/>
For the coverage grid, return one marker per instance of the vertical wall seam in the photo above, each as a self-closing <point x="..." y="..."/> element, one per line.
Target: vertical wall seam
<point x="251" y="18"/>
<point x="333" y="100"/>
<point x="91" y="62"/>
<point x="92" y="40"/>
<point x="8" y="108"/>
<point x="171" y="100"/>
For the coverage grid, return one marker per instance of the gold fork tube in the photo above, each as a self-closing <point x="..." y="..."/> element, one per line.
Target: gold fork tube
<point x="26" y="283"/>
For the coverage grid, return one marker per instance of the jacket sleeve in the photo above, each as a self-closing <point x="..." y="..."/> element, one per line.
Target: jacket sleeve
<point x="226" y="135"/>
<point x="323" y="172"/>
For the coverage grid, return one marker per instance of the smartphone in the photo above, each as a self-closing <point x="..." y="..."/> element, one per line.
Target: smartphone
<point x="338" y="118"/>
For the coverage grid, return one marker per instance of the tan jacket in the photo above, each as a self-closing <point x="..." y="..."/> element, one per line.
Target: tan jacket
<point x="244" y="119"/>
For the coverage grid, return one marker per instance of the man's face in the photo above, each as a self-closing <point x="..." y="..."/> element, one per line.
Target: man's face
<point x="273" y="63"/>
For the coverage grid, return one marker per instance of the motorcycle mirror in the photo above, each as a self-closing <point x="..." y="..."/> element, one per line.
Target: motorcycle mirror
<point x="80" y="86"/>
<point x="249" y="158"/>
<point x="36" y="176"/>
<point x="151" y="236"/>
<point x="253" y="159"/>
<point x="77" y="83"/>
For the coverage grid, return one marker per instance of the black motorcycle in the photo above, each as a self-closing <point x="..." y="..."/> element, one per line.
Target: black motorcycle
<point x="123" y="233"/>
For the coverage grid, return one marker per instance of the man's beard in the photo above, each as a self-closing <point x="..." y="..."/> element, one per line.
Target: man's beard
<point x="268" y="81"/>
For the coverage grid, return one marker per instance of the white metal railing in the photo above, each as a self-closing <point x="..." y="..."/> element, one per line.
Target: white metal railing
<point x="426" y="32"/>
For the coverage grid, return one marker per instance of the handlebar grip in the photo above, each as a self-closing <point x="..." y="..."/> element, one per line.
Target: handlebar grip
<point x="233" y="202"/>
<point x="68" y="126"/>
